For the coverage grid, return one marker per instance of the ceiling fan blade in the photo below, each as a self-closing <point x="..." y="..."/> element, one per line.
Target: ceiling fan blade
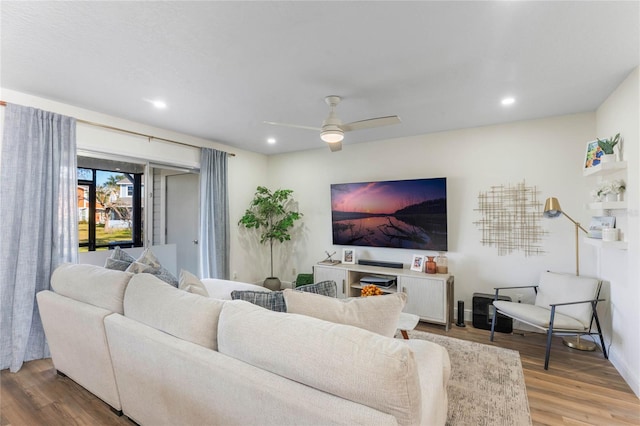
<point x="296" y="126"/>
<point x="370" y="123"/>
<point x="335" y="146"/>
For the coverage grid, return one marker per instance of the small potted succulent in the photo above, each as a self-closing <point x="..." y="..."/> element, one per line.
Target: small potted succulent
<point x="607" y="147"/>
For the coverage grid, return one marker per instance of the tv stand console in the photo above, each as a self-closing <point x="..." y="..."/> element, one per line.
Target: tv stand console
<point x="430" y="296"/>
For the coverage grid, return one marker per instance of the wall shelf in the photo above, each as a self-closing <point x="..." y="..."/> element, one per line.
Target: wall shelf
<point x="605" y="168"/>
<point x="596" y="242"/>
<point x="608" y="205"/>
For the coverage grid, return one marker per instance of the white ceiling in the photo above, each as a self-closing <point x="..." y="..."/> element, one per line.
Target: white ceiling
<point x="225" y="67"/>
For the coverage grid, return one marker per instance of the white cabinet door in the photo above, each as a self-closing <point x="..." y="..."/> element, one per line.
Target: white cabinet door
<point x="425" y="297"/>
<point x="339" y="275"/>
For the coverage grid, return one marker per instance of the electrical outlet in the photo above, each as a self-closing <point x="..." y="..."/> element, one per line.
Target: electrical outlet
<point x="519" y="298"/>
<point x="235" y="275"/>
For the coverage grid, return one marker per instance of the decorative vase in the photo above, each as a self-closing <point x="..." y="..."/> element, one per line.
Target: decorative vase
<point x="608" y="158"/>
<point x="431" y="265"/>
<point x="620" y="196"/>
<point x="442" y="264"/>
<point x="611" y="197"/>
<point x="272" y="283"/>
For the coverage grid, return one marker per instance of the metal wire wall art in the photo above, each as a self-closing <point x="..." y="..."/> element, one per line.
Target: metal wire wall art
<point x="511" y="219"/>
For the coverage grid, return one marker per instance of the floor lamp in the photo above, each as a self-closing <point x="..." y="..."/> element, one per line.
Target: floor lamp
<point x="552" y="210"/>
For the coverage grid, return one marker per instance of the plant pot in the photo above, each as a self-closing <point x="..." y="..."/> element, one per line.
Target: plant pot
<point x="272" y="283"/>
<point x="608" y="158"/>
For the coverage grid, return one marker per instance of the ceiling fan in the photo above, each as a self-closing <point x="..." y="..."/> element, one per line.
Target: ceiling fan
<point x="332" y="130"/>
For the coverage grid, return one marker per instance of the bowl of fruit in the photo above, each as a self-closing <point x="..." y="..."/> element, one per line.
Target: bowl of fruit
<point x="370" y="290"/>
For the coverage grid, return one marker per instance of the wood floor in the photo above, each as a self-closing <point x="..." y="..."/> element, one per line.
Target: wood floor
<point x="580" y="388"/>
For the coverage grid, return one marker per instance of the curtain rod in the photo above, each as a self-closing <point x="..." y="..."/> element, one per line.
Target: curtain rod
<point x="117" y="129"/>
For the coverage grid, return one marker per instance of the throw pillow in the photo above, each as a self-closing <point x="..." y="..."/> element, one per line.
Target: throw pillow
<point x="191" y="284"/>
<point x="119" y="260"/>
<point x="379" y="314"/>
<point x="325" y="288"/>
<point x="152" y="266"/>
<point x="272" y="300"/>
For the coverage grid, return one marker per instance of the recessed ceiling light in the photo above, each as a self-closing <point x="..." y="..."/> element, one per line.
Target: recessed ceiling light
<point x="271" y="141"/>
<point x="159" y="104"/>
<point x="507" y="101"/>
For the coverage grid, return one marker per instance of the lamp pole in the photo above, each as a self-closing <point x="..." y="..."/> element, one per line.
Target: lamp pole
<point x="578" y="226"/>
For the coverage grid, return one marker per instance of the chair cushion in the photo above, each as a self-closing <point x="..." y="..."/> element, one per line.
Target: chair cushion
<point x="379" y="314"/>
<point x="538" y="316"/>
<point x="560" y="288"/>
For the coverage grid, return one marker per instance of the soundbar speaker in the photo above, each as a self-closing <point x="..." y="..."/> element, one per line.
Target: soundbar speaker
<point x="396" y="265"/>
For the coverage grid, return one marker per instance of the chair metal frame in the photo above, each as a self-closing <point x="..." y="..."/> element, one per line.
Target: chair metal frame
<point x="550" y="330"/>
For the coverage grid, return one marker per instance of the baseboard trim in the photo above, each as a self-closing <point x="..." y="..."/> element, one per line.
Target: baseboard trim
<point x="630" y="377"/>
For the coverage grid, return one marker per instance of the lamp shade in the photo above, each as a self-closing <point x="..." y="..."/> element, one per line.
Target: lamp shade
<point x="552" y="208"/>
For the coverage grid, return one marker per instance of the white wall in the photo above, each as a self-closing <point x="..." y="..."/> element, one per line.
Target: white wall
<point x="544" y="153"/>
<point x="246" y="170"/>
<point x="621" y="113"/>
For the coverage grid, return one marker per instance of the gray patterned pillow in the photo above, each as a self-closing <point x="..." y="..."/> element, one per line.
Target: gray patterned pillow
<point x="272" y="300"/>
<point x="325" y="288"/>
<point x="148" y="262"/>
<point x="119" y="260"/>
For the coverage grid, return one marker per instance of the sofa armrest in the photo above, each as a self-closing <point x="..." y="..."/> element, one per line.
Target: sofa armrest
<point x="434" y="370"/>
<point x="78" y="343"/>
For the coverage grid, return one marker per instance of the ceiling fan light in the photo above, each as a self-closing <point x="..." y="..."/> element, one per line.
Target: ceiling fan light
<point x="332" y="135"/>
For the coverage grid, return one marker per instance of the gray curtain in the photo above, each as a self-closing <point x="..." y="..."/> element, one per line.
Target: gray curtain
<point x="214" y="215"/>
<point x="38" y="222"/>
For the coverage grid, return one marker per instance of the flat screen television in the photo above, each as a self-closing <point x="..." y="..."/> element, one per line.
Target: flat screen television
<point x="408" y="214"/>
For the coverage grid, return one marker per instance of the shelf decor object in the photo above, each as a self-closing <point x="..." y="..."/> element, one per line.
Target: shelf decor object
<point x="511" y="219"/>
<point x="552" y="210"/>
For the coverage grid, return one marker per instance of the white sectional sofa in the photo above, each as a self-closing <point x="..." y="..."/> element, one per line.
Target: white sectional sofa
<point x="165" y="356"/>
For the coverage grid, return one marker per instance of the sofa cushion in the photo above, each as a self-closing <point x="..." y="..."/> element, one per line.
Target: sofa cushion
<point x="346" y="361"/>
<point x="325" y="288"/>
<point x="190" y="283"/>
<point x="187" y="316"/>
<point x="221" y="289"/>
<point x="119" y="260"/>
<point x="91" y="284"/>
<point x="272" y="300"/>
<point x="379" y="314"/>
<point x="149" y="263"/>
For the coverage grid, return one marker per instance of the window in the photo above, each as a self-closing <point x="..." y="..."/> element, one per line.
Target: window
<point x="110" y="207"/>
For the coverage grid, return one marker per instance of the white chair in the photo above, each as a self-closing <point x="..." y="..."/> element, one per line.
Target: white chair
<point x="564" y="304"/>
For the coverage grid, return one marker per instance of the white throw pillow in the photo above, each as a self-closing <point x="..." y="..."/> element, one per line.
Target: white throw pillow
<point x="191" y="284"/>
<point x="379" y="314"/>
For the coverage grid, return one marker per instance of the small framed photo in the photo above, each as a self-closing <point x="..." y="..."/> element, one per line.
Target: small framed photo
<point x="348" y="256"/>
<point x="593" y="155"/>
<point x="598" y="223"/>
<point x="417" y="264"/>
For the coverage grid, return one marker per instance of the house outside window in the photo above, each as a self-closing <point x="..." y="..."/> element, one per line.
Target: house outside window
<point x="109" y="209"/>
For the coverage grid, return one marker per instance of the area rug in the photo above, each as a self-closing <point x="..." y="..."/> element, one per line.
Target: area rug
<point x="486" y="385"/>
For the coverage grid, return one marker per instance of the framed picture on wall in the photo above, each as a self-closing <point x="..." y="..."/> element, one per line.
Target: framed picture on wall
<point x="349" y="256"/>
<point x="417" y="263"/>
<point x="593" y="154"/>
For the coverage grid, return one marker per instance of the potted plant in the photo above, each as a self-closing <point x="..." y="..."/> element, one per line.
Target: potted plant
<point x="271" y="214"/>
<point x="607" y="147"/>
